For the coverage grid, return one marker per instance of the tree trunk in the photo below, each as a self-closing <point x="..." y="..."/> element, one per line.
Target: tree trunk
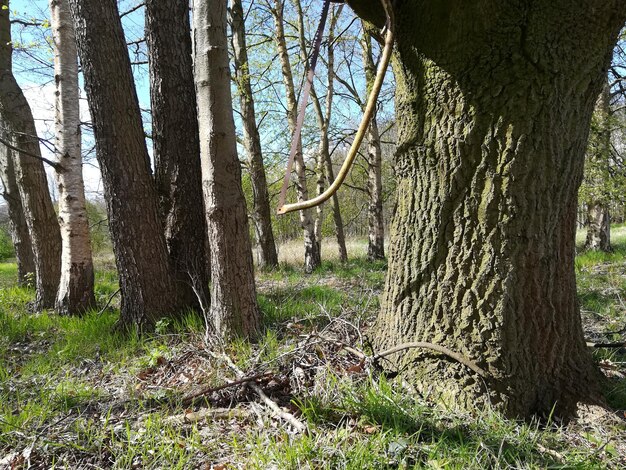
<point x="268" y="257"/>
<point x="177" y="147"/>
<point x="598" y="228"/>
<point x="76" y="287"/>
<point x="234" y="309"/>
<point x="493" y="106"/>
<point x="19" y="229"/>
<point x="148" y="290"/>
<point x="597" y="175"/>
<point x="18" y="123"/>
<point x="312" y="257"/>
<point x="324" y="165"/>
<point x="375" y="222"/>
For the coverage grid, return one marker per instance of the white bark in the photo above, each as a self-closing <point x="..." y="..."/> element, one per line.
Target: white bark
<point x="75" y="292"/>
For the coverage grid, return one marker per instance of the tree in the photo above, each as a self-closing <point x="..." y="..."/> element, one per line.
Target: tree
<point x="312" y="257"/>
<point x="234" y="309"/>
<point x="376" y="226"/>
<point x="261" y="212"/>
<point x="18" y="125"/>
<point x="595" y="189"/>
<point x="493" y="102"/>
<point x="76" y="286"/>
<point x="19" y="229"/>
<point x="148" y="288"/>
<point x="177" y="146"/>
<point x="325" y="172"/>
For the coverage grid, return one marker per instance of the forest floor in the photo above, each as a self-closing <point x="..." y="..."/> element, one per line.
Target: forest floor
<point x="76" y="394"/>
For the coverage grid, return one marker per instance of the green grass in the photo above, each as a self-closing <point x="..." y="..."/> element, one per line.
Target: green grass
<point x="86" y="394"/>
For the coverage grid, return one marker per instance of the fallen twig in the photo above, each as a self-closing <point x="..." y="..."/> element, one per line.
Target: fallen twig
<point x="187" y="401"/>
<point x="109" y="301"/>
<point x="298" y="425"/>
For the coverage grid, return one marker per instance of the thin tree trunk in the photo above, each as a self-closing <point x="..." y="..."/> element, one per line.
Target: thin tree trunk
<point x="261" y="215"/>
<point x="148" y="288"/>
<point x="18" y="123"/>
<point x="234" y="309"/>
<point x="376" y="226"/>
<point x="312" y="257"/>
<point x="76" y="287"/>
<point x="19" y="229"/>
<point x="177" y="147"/>
<point x="598" y="161"/>
<point x="598" y="228"/>
<point x="324" y="164"/>
<point x="493" y="107"/>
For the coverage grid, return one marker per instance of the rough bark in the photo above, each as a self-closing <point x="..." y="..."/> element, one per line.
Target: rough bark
<point x="234" y="309"/>
<point x="598" y="228"/>
<point x="18" y="124"/>
<point x="493" y="104"/>
<point x="375" y="221"/>
<point x="148" y="290"/>
<point x="19" y="229"/>
<point x="76" y="287"/>
<point x="177" y="147"/>
<point x="312" y="257"/>
<point x="261" y="215"/>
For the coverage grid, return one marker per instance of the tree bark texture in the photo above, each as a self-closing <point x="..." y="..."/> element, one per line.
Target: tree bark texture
<point x="494" y="102"/>
<point x="17" y="122"/>
<point x="76" y="287"/>
<point x="375" y="220"/>
<point x="261" y="215"/>
<point x="148" y="290"/>
<point x="234" y="309"/>
<point x="177" y="147"/>
<point x="17" y="221"/>
<point x="312" y="257"/>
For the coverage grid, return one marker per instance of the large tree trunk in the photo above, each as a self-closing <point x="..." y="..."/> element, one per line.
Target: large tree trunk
<point x="234" y="309"/>
<point x="147" y="285"/>
<point x="268" y="257"/>
<point x="76" y="287"/>
<point x="177" y="147"/>
<point x="375" y="221"/>
<point x="312" y="257"/>
<point x="19" y="229"/>
<point x="17" y="120"/>
<point x="493" y="104"/>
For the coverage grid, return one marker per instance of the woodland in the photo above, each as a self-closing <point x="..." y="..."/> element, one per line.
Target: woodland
<point x="312" y="234"/>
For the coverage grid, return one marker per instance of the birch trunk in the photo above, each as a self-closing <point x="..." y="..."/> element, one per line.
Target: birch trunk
<point x="312" y="257"/>
<point x="493" y="104"/>
<point x="19" y="229"/>
<point x="17" y="121"/>
<point x="177" y="147"/>
<point x="375" y="221"/>
<point x="76" y="287"/>
<point x="325" y="170"/>
<point x="147" y="284"/>
<point x="261" y="215"/>
<point x="234" y="309"/>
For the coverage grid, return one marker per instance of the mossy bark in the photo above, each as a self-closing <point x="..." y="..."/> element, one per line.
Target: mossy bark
<point x="494" y="101"/>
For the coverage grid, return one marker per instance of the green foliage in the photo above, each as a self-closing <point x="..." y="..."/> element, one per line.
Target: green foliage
<point x="6" y="245"/>
<point x="98" y="227"/>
